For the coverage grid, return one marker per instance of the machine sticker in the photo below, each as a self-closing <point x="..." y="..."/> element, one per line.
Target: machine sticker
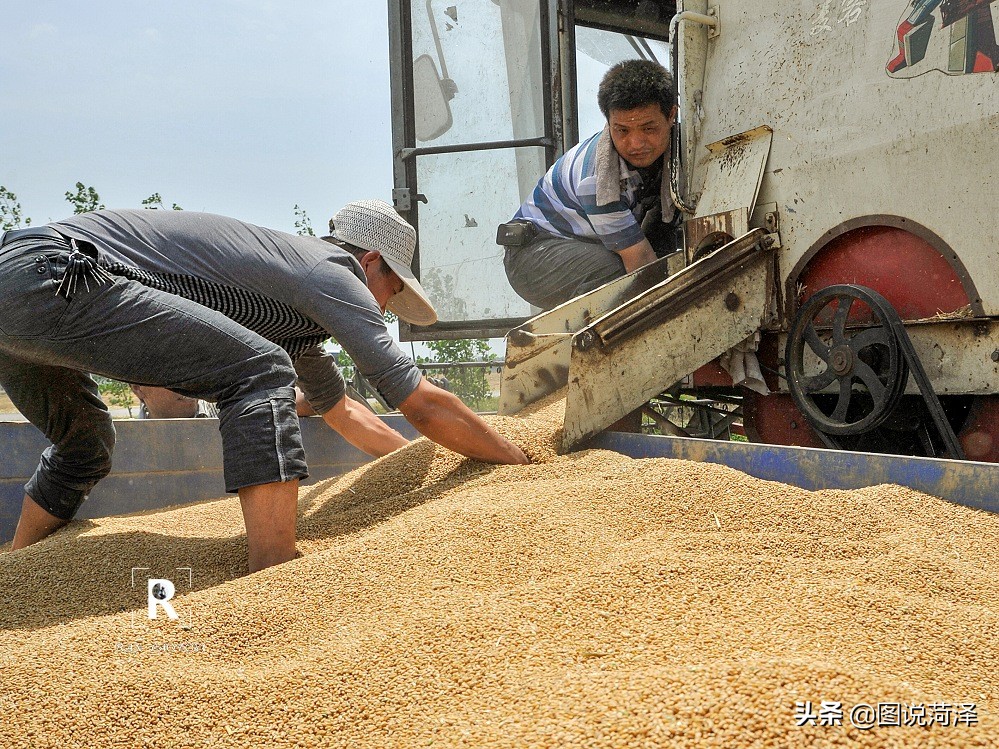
<point x="953" y="36"/>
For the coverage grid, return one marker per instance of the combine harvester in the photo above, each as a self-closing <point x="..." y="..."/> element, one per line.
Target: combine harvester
<point x="835" y="165"/>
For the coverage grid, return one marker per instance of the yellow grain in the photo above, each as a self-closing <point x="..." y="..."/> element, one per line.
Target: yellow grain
<point x="578" y="601"/>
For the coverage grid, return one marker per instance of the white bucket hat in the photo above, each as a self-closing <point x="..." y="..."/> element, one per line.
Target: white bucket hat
<point x="375" y="226"/>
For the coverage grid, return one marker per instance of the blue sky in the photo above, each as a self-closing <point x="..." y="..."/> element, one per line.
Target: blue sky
<point x="238" y="107"/>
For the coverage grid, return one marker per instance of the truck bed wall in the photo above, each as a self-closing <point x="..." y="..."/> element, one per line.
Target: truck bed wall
<point x="162" y="462"/>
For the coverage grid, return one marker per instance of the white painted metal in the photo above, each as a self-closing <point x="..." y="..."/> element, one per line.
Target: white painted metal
<point x="851" y="141"/>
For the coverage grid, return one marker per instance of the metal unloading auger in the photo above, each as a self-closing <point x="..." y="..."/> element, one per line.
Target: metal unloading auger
<point x="628" y="341"/>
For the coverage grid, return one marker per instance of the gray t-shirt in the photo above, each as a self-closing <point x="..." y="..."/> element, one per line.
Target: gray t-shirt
<point x="293" y="290"/>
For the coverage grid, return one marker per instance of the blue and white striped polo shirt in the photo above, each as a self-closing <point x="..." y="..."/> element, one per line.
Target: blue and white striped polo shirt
<point x="564" y="203"/>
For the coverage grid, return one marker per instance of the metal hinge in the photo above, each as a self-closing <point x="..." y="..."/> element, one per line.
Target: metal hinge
<point x="402" y="198"/>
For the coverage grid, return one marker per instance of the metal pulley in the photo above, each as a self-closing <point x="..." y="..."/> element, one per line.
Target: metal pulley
<point x="848" y="359"/>
<point x="865" y="372"/>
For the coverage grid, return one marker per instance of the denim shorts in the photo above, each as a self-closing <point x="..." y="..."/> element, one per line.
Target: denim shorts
<point x="62" y="318"/>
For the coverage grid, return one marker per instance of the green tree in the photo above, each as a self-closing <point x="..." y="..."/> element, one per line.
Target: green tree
<point x="471" y="384"/>
<point x="303" y="224"/>
<point x="118" y="393"/>
<point x="10" y="211"/>
<point x="155" y="201"/>
<point x="84" y="199"/>
<point x="345" y="364"/>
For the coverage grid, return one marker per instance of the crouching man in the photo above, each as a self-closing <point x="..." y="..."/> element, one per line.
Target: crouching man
<point x="603" y="209"/>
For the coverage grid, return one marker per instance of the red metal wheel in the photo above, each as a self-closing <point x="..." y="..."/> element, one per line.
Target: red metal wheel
<point x="918" y="281"/>
<point x="980" y="434"/>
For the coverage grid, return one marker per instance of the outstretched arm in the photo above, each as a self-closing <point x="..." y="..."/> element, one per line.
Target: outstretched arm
<point x="362" y="428"/>
<point x="442" y="417"/>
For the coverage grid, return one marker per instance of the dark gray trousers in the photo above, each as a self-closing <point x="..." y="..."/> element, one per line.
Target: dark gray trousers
<point x="50" y="341"/>
<point x="551" y="270"/>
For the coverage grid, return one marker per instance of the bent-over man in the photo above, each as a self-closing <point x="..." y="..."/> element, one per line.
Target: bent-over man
<point x="222" y="310"/>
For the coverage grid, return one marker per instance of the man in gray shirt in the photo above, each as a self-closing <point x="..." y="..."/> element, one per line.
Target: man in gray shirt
<point x="218" y="309"/>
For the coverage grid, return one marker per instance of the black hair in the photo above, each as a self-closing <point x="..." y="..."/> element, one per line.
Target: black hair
<point x="357" y="252"/>
<point x="636" y="83"/>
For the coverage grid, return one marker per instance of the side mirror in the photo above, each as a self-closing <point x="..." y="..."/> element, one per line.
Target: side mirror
<point x="432" y="94"/>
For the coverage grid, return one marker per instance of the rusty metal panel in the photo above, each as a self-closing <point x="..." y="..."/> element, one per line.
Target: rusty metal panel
<point x="537" y="352"/>
<point x="734" y="170"/>
<point x="539" y="367"/>
<point x="699" y="234"/>
<point x="643" y="347"/>
<point x="732" y="176"/>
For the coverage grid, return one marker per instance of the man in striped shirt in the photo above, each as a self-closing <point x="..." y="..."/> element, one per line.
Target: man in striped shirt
<point x="582" y="225"/>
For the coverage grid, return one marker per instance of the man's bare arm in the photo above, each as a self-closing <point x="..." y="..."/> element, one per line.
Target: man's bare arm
<point x="637" y="255"/>
<point x="442" y="417"/>
<point x="363" y="429"/>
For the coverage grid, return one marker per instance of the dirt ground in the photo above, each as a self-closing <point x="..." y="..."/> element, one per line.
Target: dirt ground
<point x="9" y="413"/>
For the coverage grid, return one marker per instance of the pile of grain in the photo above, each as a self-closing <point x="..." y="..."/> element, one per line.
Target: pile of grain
<point x="586" y="600"/>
